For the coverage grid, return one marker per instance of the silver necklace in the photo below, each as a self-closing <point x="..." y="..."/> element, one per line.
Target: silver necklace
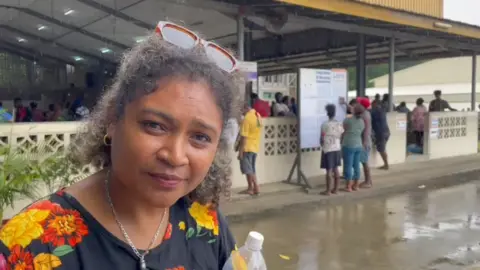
<point x="141" y="256"/>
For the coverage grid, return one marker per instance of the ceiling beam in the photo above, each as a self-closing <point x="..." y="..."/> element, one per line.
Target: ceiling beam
<point x="317" y="52"/>
<point x="66" y="25"/>
<point x="346" y="56"/>
<point x="203" y="4"/>
<point x="117" y="13"/>
<point x="54" y="44"/>
<point x="276" y="70"/>
<point x="30" y="54"/>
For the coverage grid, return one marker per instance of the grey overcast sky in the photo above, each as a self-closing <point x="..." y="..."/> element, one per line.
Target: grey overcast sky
<point x="466" y="11"/>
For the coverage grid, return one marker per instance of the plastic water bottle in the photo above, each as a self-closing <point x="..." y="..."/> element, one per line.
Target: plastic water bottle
<point x="248" y="257"/>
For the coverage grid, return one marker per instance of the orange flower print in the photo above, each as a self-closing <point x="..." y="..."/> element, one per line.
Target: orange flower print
<point x="168" y="232"/>
<point x="20" y="259"/>
<point x="177" y="268"/>
<point x="63" y="227"/>
<point x="214" y="216"/>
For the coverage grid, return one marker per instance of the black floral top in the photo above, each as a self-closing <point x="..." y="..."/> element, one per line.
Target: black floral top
<point x="58" y="233"/>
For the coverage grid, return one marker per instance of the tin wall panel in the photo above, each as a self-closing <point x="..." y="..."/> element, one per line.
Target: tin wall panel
<point x="432" y="8"/>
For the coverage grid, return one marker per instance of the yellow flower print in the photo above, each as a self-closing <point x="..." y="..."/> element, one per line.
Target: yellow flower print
<point x="201" y="215"/>
<point x="23" y="228"/>
<point x="44" y="261"/>
<point x="181" y="225"/>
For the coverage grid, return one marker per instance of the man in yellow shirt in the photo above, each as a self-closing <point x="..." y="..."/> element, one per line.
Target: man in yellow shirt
<point x="250" y="132"/>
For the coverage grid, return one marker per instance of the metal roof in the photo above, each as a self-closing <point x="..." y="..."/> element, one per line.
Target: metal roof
<point x="82" y="28"/>
<point x="285" y="36"/>
<point x="336" y="24"/>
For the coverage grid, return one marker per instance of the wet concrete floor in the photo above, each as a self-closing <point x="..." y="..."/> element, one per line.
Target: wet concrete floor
<point x="422" y="229"/>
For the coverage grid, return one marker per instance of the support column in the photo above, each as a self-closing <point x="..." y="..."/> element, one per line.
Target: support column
<point x="474" y="82"/>
<point x="361" y="65"/>
<point x="248" y="46"/>
<point x="240" y="37"/>
<point x="391" y="72"/>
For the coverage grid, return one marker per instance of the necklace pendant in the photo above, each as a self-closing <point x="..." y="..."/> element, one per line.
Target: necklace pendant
<point x="143" y="264"/>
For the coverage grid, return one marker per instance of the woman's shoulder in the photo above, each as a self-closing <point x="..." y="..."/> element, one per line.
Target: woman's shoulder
<point x="42" y="233"/>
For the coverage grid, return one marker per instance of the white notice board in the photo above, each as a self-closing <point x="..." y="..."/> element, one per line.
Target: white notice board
<point x="317" y="88"/>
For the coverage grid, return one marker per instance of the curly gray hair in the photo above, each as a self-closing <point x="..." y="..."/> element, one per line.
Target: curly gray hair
<point x="140" y="71"/>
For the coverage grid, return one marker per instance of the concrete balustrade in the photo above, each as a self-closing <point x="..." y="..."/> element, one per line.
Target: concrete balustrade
<point x="449" y="134"/>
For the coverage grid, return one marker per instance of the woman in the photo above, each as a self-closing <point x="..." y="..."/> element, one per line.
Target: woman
<point x="418" y="121"/>
<point x="331" y="133"/>
<point x="158" y="132"/>
<point x="352" y="147"/>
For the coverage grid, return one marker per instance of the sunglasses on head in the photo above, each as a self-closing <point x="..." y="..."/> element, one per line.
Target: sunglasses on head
<point x="187" y="39"/>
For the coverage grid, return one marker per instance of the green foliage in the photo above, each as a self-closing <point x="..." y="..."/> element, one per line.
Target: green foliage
<point x="26" y="175"/>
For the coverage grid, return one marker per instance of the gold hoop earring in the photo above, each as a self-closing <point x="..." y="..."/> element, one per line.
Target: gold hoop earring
<point x="106" y="140"/>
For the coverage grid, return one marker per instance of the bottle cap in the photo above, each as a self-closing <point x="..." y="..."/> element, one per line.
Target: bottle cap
<point x="254" y="241"/>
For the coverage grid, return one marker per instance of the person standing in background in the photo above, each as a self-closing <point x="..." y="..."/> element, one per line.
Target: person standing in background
<point x="439" y="104"/>
<point x="261" y="106"/>
<point x="286" y="101"/>
<point x="4" y="115"/>
<point x="349" y="107"/>
<point x="387" y="106"/>
<point x="54" y="113"/>
<point x="367" y="141"/>
<point x="37" y="115"/>
<point x="250" y="132"/>
<point x="381" y="132"/>
<point x="20" y="110"/>
<point x="279" y="108"/>
<point x="352" y="147"/>
<point x="418" y="121"/>
<point x="294" y="107"/>
<point x="330" y="140"/>
<point x="402" y="108"/>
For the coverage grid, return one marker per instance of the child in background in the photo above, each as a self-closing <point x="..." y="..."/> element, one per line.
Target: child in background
<point x="331" y="134"/>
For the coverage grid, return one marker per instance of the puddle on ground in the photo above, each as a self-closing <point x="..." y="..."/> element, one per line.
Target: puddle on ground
<point x="422" y="229"/>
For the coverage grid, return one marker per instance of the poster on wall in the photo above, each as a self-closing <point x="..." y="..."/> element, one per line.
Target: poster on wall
<point x="317" y="88"/>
